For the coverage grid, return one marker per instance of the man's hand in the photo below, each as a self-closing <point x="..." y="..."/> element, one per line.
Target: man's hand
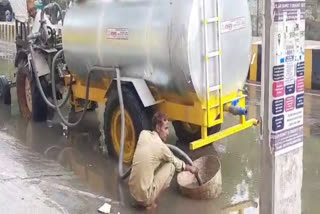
<point x="194" y="170"/>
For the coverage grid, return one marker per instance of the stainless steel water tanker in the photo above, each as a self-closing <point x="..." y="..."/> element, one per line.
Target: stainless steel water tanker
<point x="161" y="41"/>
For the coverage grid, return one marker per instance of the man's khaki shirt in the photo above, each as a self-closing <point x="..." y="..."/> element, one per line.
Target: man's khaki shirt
<point x="150" y="153"/>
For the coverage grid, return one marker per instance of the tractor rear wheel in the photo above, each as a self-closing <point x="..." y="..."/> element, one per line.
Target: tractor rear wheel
<point x="5" y="95"/>
<point x="30" y="102"/>
<point x="136" y="120"/>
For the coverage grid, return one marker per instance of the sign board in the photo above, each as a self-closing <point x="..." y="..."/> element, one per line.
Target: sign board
<point x="118" y="33"/>
<point x="233" y="25"/>
<point x="287" y="75"/>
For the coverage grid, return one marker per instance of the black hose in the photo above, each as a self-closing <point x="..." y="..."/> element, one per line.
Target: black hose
<point x="51" y="5"/>
<point x="44" y="97"/>
<point x="176" y="150"/>
<point x="122" y="175"/>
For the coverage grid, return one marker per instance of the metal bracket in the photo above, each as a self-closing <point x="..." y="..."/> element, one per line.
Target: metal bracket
<point x="140" y="85"/>
<point x="41" y="64"/>
<point x="143" y="91"/>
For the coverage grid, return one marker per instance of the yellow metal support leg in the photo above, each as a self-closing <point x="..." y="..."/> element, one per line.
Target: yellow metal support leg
<point x="242" y="119"/>
<point x="225" y="133"/>
<point x="204" y="132"/>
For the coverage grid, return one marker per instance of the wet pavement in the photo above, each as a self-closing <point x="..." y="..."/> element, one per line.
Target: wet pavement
<point x="41" y="171"/>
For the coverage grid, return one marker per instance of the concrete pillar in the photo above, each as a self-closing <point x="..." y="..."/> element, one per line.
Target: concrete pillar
<point x="282" y="107"/>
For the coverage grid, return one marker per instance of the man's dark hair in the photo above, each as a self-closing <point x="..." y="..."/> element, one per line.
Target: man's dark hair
<point x="158" y="119"/>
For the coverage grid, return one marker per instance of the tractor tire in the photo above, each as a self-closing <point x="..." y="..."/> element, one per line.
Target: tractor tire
<point x="136" y="118"/>
<point x="5" y="95"/>
<point x="30" y="102"/>
<point x="187" y="133"/>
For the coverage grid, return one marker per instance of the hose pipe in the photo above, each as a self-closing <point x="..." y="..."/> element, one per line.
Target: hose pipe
<point x="178" y="151"/>
<point x="44" y="97"/>
<point x="55" y="101"/>
<point x="52" y="5"/>
<point x="122" y="175"/>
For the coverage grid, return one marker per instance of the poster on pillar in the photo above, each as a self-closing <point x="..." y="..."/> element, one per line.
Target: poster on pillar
<point x="287" y="75"/>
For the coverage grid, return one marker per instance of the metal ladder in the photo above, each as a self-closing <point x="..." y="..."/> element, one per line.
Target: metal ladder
<point x="209" y="55"/>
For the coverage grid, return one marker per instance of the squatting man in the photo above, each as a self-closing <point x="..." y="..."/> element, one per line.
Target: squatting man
<point x="154" y="164"/>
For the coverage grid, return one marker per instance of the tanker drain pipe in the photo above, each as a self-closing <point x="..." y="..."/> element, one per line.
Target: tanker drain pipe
<point x="236" y="110"/>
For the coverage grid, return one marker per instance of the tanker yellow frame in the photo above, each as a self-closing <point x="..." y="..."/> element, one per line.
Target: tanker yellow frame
<point x="196" y="114"/>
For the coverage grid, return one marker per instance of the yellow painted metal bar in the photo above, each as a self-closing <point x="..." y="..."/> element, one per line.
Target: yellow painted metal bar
<point x="221" y="109"/>
<point x="216" y="122"/>
<point x="254" y="66"/>
<point x="204" y="132"/>
<point x="242" y="119"/>
<point x="308" y="69"/>
<point x="196" y="114"/>
<point x="226" y="100"/>
<point x="242" y="103"/>
<point x="95" y="94"/>
<point x="193" y="114"/>
<point x="222" y="134"/>
<point x="239" y="207"/>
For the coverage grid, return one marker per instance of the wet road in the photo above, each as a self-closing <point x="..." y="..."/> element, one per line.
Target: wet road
<point x="43" y="171"/>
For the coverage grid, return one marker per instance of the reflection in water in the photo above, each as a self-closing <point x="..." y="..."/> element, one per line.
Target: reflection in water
<point x="79" y="153"/>
<point x="242" y="193"/>
<point x="5" y="114"/>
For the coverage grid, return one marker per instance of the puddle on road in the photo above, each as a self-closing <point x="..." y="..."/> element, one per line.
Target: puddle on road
<point x="81" y="153"/>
